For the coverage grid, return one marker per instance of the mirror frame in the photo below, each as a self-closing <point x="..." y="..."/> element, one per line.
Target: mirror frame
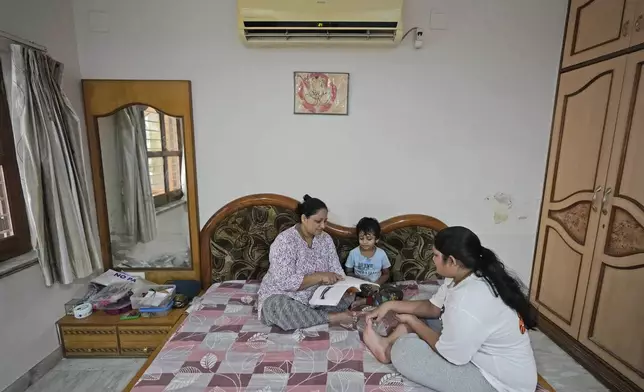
<point x="104" y="97"/>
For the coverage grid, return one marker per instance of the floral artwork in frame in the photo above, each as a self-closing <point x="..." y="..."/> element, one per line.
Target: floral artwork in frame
<point x="321" y="93"/>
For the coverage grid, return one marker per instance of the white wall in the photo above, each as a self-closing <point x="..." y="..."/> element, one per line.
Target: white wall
<point x="432" y="131"/>
<point x="29" y="309"/>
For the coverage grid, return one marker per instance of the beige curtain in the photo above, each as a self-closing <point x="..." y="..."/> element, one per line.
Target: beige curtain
<point x="52" y="164"/>
<point x="132" y="156"/>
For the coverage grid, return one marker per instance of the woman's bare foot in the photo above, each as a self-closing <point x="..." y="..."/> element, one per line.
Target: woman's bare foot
<point x="379" y="346"/>
<point x="346" y="317"/>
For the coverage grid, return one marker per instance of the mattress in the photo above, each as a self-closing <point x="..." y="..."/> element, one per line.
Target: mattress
<point x="223" y="347"/>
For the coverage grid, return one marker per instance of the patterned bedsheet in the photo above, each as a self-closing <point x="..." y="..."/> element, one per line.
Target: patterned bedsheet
<point x="223" y="347"/>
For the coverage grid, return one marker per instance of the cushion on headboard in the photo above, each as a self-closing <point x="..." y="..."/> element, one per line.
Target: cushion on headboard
<point x="236" y="240"/>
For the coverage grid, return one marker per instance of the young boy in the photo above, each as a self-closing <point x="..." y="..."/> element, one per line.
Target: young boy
<point x="367" y="261"/>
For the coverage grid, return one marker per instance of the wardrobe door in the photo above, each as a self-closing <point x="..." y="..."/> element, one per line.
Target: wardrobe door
<point x="583" y="129"/>
<point x="638" y="28"/>
<point x="613" y="321"/>
<point x="596" y="28"/>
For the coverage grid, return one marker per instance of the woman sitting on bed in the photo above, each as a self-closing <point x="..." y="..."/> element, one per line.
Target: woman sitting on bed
<point x="301" y="258"/>
<point x="483" y="345"/>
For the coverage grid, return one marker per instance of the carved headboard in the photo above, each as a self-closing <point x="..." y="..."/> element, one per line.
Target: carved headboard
<point x="235" y="241"/>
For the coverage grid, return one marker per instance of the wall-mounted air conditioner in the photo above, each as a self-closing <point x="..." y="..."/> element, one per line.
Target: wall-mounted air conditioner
<point x="331" y="22"/>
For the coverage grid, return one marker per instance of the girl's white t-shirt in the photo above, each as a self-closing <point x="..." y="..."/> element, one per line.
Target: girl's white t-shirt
<point x="480" y="328"/>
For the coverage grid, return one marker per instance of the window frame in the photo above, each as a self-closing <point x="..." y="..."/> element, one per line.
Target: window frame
<point x="20" y="242"/>
<point x="168" y="196"/>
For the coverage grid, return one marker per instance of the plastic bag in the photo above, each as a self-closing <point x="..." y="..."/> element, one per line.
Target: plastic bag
<point x="111" y="294"/>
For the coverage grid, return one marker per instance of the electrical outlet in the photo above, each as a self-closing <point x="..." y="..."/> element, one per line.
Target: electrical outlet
<point x="418" y="41"/>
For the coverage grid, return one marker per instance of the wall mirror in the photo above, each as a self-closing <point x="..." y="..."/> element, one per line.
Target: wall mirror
<point x="142" y="148"/>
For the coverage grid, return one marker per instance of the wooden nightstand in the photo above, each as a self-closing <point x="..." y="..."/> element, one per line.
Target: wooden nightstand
<point x="103" y="335"/>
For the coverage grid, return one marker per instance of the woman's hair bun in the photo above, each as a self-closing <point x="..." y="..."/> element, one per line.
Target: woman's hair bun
<point x="310" y="206"/>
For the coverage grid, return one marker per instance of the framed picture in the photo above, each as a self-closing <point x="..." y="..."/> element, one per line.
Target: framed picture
<point x="321" y="93"/>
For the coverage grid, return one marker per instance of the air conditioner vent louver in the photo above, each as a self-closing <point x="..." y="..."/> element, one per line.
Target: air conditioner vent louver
<point x="313" y="31"/>
<point x="321" y="24"/>
<point x="315" y="35"/>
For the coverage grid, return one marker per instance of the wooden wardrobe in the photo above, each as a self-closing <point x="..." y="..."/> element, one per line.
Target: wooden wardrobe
<point x="588" y="275"/>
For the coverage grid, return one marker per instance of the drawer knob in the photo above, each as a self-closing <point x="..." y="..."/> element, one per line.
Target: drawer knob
<point x="145" y="349"/>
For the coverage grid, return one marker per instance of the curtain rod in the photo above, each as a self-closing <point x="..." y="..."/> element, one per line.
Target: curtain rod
<point x="23" y="41"/>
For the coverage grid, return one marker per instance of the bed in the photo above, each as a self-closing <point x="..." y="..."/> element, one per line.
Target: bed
<point x="222" y="346"/>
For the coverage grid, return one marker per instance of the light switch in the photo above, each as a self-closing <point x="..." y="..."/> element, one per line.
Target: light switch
<point x="98" y="22"/>
<point x="437" y="20"/>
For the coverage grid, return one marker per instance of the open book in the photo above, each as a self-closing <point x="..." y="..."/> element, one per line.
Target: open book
<point x="331" y="295"/>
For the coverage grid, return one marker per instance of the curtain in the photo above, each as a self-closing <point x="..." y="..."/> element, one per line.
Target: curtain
<point x="184" y="181"/>
<point x="184" y="188"/>
<point x="132" y="157"/>
<point x="53" y="166"/>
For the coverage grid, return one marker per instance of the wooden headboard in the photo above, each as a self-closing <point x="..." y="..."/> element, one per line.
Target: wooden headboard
<point x="235" y="241"/>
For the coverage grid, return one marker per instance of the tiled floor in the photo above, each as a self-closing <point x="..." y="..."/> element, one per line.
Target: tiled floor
<point x="94" y="375"/>
<point x="559" y="369"/>
<point x="89" y="375"/>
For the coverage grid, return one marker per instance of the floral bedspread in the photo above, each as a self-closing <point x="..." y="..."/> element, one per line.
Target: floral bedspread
<point x="223" y="347"/>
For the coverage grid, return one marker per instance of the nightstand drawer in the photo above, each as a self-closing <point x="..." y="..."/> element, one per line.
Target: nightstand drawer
<point x="91" y="351"/>
<point x="142" y="351"/>
<point x="88" y="334"/>
<point x="89" y="341"/>
<point x="141" y="341"/>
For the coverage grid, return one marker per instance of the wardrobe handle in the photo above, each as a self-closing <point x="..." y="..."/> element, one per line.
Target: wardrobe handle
<point x="604" y="199"/>
<point x="625" y="28"/>
<point x="638" y="23"/>
<point x="592" y="203"/>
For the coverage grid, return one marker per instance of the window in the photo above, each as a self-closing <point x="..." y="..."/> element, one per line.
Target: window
<point x="165" y="148"/>
<point x="14" y="227"/>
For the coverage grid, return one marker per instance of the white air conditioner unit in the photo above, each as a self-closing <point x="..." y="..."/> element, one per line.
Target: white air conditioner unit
<point x="331" y="22"/>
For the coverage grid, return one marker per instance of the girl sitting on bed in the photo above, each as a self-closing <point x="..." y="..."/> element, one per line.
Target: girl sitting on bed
<point x="301" y="258"/>
<point x="485" y="314"/>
